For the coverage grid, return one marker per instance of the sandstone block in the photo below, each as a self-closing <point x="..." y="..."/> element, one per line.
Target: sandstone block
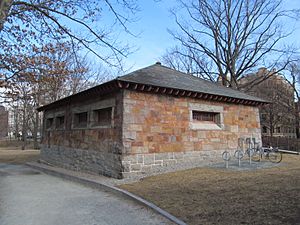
<point x="161" y="156"/>
<point x="131" y="135"/>
<point x="146" y="169"/>
<point x="149" y="159"/>
<point x="130" y="158"/>
<point x="140" y="159"/>
<point x="136" y="167"/>
<point x="136" y="127"/>
<point x="158" y="162"/>
<point x="138" y="150"/>
<point x="126" y="166"/>
<point x="201" y="134"/>
<point x="170" y="162"/>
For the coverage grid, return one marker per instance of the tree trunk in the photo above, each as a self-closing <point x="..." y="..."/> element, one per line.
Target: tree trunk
<point x="297" y="122"/>
<point x="4" y="9"/>
<point x="16" y="122"/>
<point x="271" y="124"/>
<point x="35" y="131"/>
<point x="24" y="129"/>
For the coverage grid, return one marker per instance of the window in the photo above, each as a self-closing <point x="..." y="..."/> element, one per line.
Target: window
<point x="265" y="130"/>
<point x="59" y="122"/>
<point x="102" y="117"/>
<point x="278" y="130"/>
<point x="80" y="120"/>
<point x="205" y="116"/>
<point x="49" y="123"/>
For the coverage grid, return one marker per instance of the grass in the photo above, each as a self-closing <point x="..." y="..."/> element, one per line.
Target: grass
<point x="215" y="196"/>
<point x="15" y="144"/>
<point x="18" y="156"/>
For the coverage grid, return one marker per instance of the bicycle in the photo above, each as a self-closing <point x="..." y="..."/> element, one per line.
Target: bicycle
<point x="249" y="151"/>
<point x="269" y="153"/>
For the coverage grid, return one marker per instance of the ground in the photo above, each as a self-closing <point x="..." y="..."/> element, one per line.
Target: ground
<point x="197" y="196"/>
<point x="18" y="156"/>
<point x="33" y="198"/>
<point x="10" y="152"/>
<point x="219" y="196"/>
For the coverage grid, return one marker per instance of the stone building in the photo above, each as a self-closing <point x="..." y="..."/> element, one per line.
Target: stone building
<point x="3" y="122"/>
<point x="277" y="119"/>
<point x="150" y="120"/>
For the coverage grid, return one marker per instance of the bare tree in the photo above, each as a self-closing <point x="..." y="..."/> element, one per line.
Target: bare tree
<point x="184" y="59"/>
<point x="235" y="35"/>
<point x="45" y="76"/>
<point x="27" y="22"/>
<point x="278" y="115"/>
<point x="292" y="76"/>
<point x="86" y="76"/>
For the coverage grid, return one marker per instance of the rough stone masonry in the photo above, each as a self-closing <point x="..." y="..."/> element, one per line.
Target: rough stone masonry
<point x="158" y="132"/>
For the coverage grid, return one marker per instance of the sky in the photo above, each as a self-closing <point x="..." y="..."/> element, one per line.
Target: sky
<point x="156" y="19"/>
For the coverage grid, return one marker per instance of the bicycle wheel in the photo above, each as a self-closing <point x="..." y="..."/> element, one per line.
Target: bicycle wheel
<point x="256" y="156"/>
<point x="238" y="154"/>
<point x="275" y="157"/>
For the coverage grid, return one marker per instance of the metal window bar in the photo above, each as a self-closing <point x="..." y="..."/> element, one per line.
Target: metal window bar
<point x="204" y="116"/>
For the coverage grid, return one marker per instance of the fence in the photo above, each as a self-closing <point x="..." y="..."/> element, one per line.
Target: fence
<point x="291" y="144"/>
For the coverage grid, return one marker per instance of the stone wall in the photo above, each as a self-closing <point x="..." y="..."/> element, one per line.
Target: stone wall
<point x="91" y="149"/>
<point x="149" y="133"/>
<point x="92" y="161"/>
<point x="159" y="132"/>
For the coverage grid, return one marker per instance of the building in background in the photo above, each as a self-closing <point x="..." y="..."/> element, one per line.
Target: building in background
<point x="277" y="119"/>
<point x="3" y="122"/>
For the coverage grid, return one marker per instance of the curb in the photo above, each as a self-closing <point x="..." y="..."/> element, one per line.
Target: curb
<point x="108" y="188"/>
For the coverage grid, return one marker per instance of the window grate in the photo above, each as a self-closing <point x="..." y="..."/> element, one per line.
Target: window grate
<point x="80" y="119"/>
<point x="60" y="122"/>
<point x="102" y="117"/>
<point x="49" y="123"/>
<point x="205" y="116"/>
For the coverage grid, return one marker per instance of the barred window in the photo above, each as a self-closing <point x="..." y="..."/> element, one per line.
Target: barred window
<point x="205" y="116"/>
<point x="49" y="123"/>
<point x="102" y="117"/>
<point x="80" y="120"/>
<point x="59" y="122"/>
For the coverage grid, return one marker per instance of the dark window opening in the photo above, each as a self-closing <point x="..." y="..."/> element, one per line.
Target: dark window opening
<point x="60" y="122"/>
<point x="80" y="120"/>
<point x="102" y="117"/>
<point x="206" y="116"/>
<point x="265" y="130"/>
<point x="49" y="123"/>
<point x="278" y="130"/>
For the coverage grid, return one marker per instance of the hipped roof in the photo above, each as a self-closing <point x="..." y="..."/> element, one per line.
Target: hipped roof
<point x="163" y="80"/>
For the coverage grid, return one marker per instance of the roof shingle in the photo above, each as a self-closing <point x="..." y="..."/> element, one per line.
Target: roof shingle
<point x="162" y="76"/>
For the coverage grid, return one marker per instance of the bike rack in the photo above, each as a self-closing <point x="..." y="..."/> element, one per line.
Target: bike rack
<point x="226" y="157"/>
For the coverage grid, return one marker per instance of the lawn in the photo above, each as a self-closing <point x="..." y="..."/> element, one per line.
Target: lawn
<point x="217" y="196"/>
<point x="18" y="156"/>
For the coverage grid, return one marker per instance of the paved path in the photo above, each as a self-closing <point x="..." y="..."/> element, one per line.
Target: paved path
<point x="28" y="197"/>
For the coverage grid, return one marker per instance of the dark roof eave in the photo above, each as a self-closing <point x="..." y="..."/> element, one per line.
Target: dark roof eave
<point x="187" y="93"/>
<point x="118" y="84"/>
<point x="104" y="88"/>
